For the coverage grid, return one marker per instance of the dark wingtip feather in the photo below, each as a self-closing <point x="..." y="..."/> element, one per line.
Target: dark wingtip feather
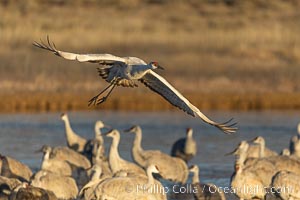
<point x="46" y="45"/>
<point x="227" y="128"/>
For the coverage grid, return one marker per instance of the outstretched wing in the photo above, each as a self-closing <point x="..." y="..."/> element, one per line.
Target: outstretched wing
<point x="106" y="59"/>
<point x="159" y="85"/>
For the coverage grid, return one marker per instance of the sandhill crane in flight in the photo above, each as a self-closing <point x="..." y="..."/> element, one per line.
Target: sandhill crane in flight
<point x="124" y="71"/>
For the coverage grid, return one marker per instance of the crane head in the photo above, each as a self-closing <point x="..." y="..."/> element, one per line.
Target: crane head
<point x="194" y="168"/>
<point x="64" y="116"/>
<point x="242" y="147"/>
<point x="258" y="140"/>
<point x="155" y="65"/>
<point x="113" y="134"/>
<point x="189" y="131"/>
<point x="133" y="129"/>
<point x="99" y="124"/>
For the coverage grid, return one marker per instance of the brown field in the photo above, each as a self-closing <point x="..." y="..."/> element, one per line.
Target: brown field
<point x="222" y="55"/>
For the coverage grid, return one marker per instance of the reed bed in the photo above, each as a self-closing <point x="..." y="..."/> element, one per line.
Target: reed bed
<point x="62" y="102"/>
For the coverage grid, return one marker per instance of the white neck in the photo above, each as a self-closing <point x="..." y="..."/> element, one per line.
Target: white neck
<point x="189" y="144"/>
<point x="240" y="169"/>
<point x="262" y="149"/>
<point x="114" y="157"/>
<point x="242" y="156"/>
<point x="190" y="134"/>
<point x="150" y="176"/>
<point x="114" y="147"/>
<point x="98" y="134"/>
<point x="96" y="175"/>
<point x="98" y="153"/>
<point x="97" y="131"/>
<point x="196" y="177"/>
<point x="45" y="160"/>
<point x="297" y="148"/>
<point x="138" y="140"/>
<point x="70" y="134"/>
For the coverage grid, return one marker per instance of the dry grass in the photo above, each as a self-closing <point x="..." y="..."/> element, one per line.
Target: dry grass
<point x="208" y="47"/>
<point x="61" y="102"/>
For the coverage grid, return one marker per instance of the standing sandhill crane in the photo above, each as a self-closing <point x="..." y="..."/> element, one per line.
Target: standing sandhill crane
<point x="286" y="184"/>
<point x="74" y="141"/>
<point x="54" y="165"/>
<point x="88" y="189"/>
<point x="98" y="135"/>
<point x="294" y="140"/>
<point x="62" y="166"/>
<point x="185" y="148"/>
<point x="69" y="155"/>
<point x="115" y="161"/>
<point x="124" y="71"/>
<point x="263" y="150"/>
<point x="296" y="152"/>
<point x="243" y="178"/>
<point x="262" y="168"/>
<point x="12" y="168"/>
<point x="138" y="187"/>
<point x="204" y="191"/>
<point x="98" y="141"/>
<point x="170" y="168"/>
<point x="254" y="150"/>
<point x="102" y="161"/>
<point x="80" y="144"/>
<point x="62" y="186"/>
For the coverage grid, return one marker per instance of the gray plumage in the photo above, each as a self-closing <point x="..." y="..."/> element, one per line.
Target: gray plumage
<point x="63" y="187"/>
<point x="286" y="184"/>
<point x="115" y="161"/>
<point x="262" y="150"/>
<point x="243" y="177"/>
<point x="74" y="141"/>
<point x="135" y="186"/>
<point x="170" y="168"/>
<point x="12" y="168"/>
<point x="69" y="155"/>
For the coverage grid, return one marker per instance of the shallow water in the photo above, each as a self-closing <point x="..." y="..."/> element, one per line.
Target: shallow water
<point x="23" y="134"/>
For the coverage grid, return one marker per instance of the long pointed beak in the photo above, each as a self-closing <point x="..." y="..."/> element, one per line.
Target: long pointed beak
<point x="252" y="140"/>
<point x="160" y="67"/>
<point x="107" y="126"/>
<point x="234" y="152"/>
<point x="39" y="150"/>
<point x="108" y="132"/>
<point x="127" y="130"/>
<point x="191" y="167"/>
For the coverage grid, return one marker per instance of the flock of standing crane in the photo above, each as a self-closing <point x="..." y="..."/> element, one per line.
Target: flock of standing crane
<point x="82" y="170"/>
<point x="261" y="173"/>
